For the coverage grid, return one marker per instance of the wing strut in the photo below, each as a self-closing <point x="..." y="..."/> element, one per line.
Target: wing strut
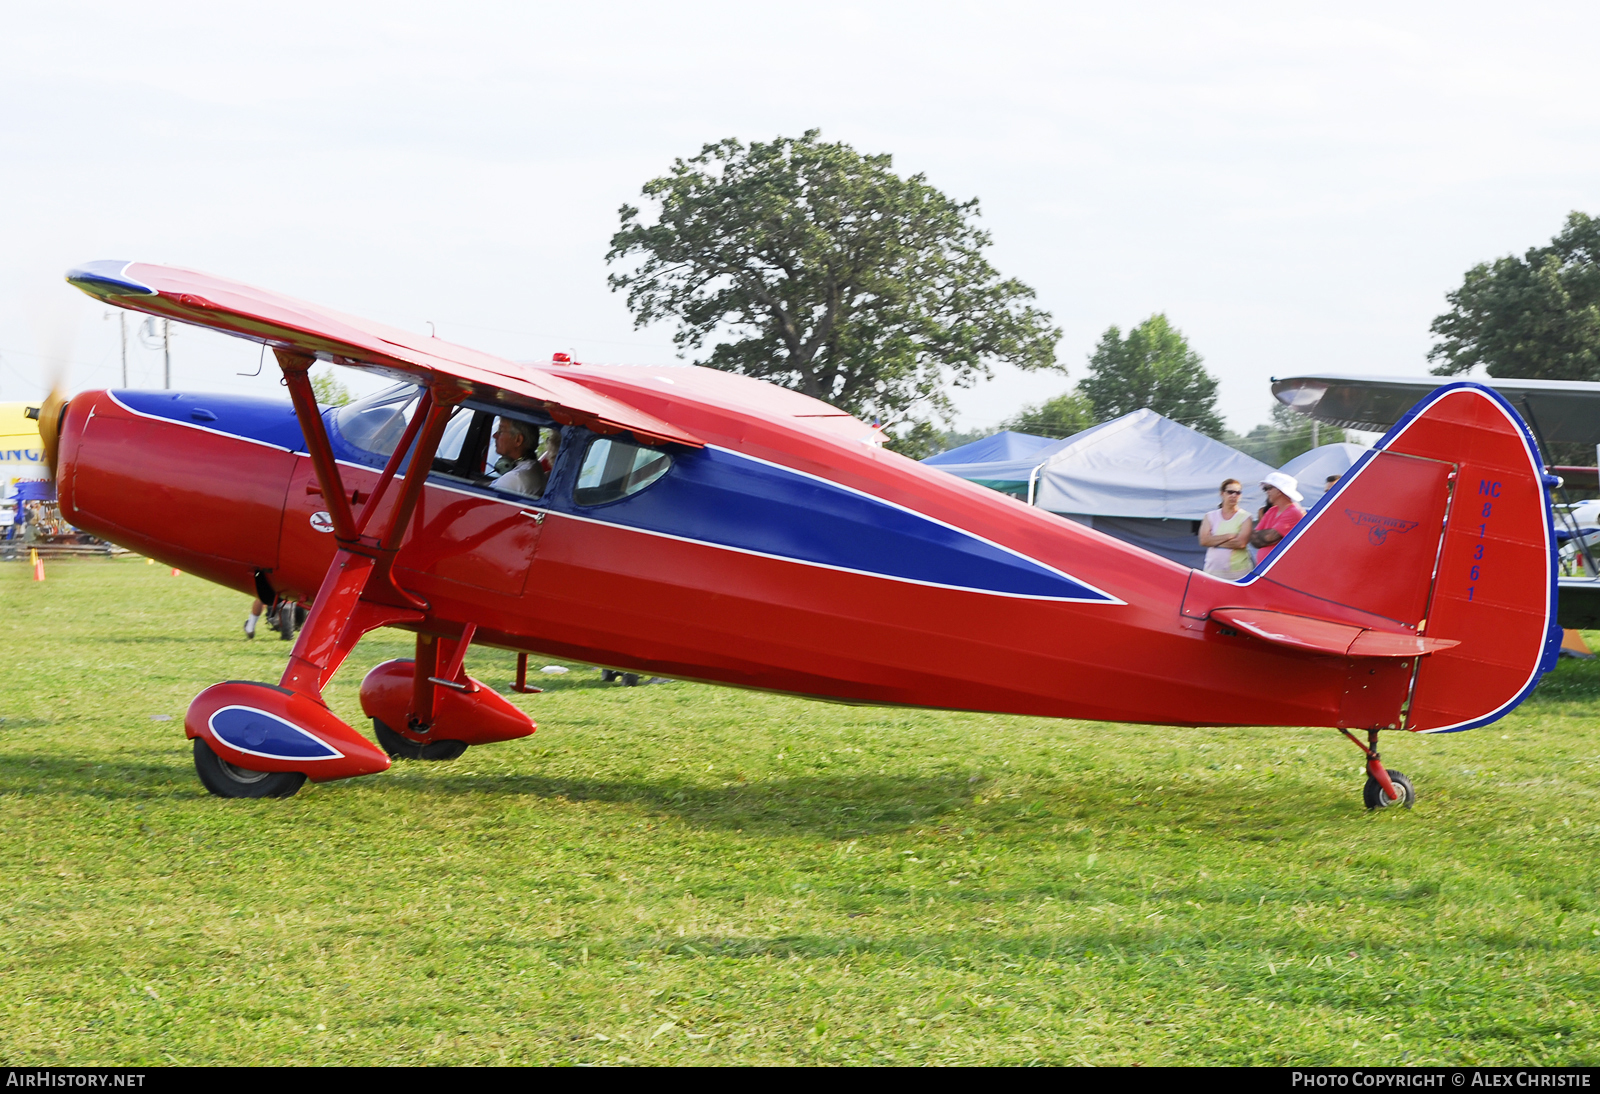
<point x="359" y="593"/>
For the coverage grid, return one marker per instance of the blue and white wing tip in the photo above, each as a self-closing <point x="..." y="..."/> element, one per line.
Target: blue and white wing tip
<point x="107" y="277"/>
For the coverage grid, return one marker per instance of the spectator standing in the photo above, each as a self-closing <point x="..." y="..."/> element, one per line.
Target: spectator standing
<point x="1225" y="534"/>
<point x="1283" y="513"/>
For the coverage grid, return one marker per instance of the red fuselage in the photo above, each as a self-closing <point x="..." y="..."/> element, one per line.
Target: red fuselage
<point x="543" y="576"/>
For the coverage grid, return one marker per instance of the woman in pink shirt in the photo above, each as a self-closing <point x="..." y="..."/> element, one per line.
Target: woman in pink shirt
<point x="1283" y="513"/>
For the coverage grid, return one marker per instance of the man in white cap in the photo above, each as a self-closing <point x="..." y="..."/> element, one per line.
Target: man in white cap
<point x="1283" y="513"/>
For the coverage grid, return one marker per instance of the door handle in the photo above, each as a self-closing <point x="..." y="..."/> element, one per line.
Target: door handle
<point x="538" y="518"/>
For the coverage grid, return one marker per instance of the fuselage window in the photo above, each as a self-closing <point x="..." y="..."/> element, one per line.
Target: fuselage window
<point x="613" y="469"/>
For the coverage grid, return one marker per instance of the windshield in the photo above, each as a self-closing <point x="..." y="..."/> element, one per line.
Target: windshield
<point x="376" y="423"/>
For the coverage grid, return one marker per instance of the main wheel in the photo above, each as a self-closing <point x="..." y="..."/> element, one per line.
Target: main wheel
<point x="228" y="781"/>
<point x="1375" y="798"/>
<point x="404" y="748"/>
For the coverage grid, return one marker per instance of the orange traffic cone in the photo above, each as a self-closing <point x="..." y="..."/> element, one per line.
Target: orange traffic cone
<point x="38" y="566"/>
<point x="1573" y="645"/>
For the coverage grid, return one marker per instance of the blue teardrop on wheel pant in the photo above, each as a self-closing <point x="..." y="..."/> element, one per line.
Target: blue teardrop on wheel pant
<point x="263" y="734"/>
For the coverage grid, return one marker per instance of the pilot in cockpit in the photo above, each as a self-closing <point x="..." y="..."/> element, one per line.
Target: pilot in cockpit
<point x="517" y="442"/>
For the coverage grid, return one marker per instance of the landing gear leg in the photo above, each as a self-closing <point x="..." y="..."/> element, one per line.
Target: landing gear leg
<point x="256" y="740"/>
<point x="1384" y="788"/>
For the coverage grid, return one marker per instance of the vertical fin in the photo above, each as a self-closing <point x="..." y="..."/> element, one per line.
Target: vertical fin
<point x="1444" y="528"/>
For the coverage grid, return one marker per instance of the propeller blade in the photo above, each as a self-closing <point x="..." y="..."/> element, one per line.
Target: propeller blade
<point x="49" y="415"/>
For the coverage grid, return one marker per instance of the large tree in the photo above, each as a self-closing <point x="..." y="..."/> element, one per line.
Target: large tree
<point x="1152" y="367"/>
<point x="1534" y="317"/>
<point x="818" y="268"/>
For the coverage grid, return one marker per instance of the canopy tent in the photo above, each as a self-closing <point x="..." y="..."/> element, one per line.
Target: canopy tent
<point x="1004" y="461"/>
<point x="1146" y="480"/>
<point x="1311" y="469"/>
<point x="1142" y="478"/>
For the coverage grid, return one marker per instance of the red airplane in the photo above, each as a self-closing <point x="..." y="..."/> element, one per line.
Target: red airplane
<point x="701" y="525"/>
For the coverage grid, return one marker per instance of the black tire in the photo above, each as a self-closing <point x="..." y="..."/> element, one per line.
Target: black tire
<point x="404" y="748"/>
<point x="630" y="679"/>
<point x="227" y="781"/>
<point x="1375" y="798"/>
<point x="608" y="675"/>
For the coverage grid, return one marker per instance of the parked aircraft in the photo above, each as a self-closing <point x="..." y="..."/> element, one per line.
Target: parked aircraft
<point x="701" y="525"/>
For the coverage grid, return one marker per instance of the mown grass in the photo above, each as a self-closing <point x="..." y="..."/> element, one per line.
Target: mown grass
<point x="683" y="874"/>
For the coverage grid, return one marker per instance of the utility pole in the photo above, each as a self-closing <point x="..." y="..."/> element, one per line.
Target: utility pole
<point x="166" y="353"/>
<point x="122" y="322"/>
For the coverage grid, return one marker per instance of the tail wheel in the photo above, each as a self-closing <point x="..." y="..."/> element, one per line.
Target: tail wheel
<point x="404" y="748"/>
<point x="1375" y="798"/>
<point x="227" y="780"/>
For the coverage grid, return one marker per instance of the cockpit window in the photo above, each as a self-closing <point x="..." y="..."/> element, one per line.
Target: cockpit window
<point x="613" y="469"/>
<point x="377" y="423"/>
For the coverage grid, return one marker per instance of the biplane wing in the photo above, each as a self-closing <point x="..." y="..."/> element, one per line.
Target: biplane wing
<point x="1562" y="410"/>
<point x="289" y="324"/>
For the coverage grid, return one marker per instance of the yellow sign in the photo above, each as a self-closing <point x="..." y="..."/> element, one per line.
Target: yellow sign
<point x="21" y="454"/>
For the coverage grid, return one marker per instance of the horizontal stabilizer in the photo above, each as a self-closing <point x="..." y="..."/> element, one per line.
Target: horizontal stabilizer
<point x="1303" y="632"/>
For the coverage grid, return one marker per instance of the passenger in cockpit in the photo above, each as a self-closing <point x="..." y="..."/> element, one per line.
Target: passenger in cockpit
<point x="552" y="447"/>
<point x="516" y="441"/>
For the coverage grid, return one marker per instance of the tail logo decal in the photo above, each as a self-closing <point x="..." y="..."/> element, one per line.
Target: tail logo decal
<point x="1378" y="528"/>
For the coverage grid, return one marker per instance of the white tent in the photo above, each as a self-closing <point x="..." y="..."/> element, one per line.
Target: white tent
<point x="1146" y="480"/>
<point x="1311" y="469"/>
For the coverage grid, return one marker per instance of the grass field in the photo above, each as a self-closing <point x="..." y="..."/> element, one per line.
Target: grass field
<point x="683" y="874"/>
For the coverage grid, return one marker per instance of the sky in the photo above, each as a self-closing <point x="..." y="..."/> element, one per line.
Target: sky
<point x="1296" y="187"/>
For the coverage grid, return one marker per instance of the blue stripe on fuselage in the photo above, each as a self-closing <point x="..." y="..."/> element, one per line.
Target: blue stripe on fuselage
<point x="269" y="421"/>
<point x="716" y="497"/>
<point x="719" y="497"/>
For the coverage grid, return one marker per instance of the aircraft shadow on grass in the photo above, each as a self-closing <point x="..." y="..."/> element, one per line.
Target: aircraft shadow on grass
<point x="827" y="804"/>
<point x="832" y="806"/>
<point x="111" y="778"/>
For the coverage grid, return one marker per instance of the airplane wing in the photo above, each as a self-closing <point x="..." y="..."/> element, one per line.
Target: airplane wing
<point x="284" y="322"/>
<point x="1565" y="410"/>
